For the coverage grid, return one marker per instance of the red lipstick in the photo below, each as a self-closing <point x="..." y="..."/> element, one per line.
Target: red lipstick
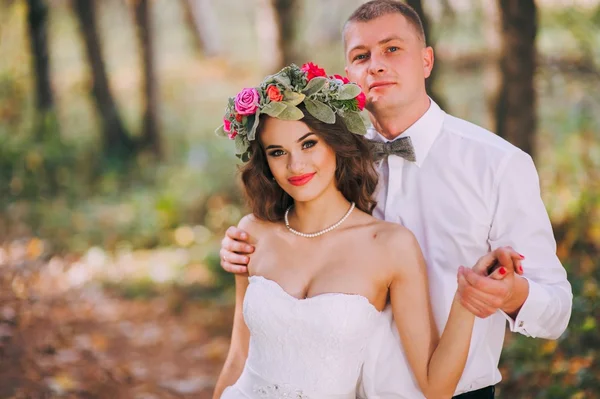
<point x="301" y="179"/>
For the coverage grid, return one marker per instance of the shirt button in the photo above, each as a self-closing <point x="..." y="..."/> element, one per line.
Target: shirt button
<point x="521" y="324"/>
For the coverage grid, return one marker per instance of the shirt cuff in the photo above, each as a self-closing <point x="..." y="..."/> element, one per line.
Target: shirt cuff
<point x="534" y="306"/>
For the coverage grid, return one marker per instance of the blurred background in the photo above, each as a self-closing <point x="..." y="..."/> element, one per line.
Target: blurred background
<point x="115" y="192"/>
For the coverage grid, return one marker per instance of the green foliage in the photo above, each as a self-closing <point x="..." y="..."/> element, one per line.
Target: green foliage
<point x="223" y="279"/>
<point x="319" y="110"/>
<point x="349" y="92"/>
<point x="569" y="368"/>
<point x="291" y="113"/>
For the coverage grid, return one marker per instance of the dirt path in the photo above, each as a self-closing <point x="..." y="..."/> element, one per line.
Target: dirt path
<point x="87" y="342"/>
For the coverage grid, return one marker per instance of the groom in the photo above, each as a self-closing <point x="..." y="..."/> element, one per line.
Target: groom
<point x="462" y="190"/>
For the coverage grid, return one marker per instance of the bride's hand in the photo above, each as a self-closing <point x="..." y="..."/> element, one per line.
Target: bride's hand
<point x="488" y="286"/>
<point x="499" y="263"/>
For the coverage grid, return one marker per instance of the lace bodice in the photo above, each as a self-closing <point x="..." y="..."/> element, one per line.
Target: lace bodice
<point x="307" y="346"/>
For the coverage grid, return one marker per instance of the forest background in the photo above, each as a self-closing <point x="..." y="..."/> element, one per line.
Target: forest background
<point x="115" y="192"/>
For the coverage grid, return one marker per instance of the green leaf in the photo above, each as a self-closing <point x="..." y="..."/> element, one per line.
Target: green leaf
<point x="283" y="80"/>
<point x="273" y="109"/>
<point x="245" y="157"/>
<point x="319" y="110"/>
<point x="293" y="98"/>
<point x="220" y="131"/>
<point x="354" y="122"/>
<point x="248" y="122"/>
<point x="349" y="91"/>
<point x="253" y="124"/>
<point x="241" y="144"/>
<point x="291" y="113"/>
<point x="314" y="85"/>
<point x="589" y="324"/>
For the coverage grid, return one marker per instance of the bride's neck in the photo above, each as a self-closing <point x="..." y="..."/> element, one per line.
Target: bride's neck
<point x="319" y="213"/>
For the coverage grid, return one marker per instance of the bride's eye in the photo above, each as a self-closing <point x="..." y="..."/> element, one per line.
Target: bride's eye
<point x="276" y="153"/>
<point x="309" y="144"/>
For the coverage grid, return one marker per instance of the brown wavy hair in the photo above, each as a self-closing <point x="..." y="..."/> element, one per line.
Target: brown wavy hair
<point x="355" y="173"/>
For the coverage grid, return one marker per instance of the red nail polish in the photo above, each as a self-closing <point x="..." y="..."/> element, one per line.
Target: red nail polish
<point x="522" y="257"/>
<point x="521" y="269"/>
<point x="502" y="271"/>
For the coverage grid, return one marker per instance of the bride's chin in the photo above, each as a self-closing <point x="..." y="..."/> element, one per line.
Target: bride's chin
<point x="302" y="197"/>
<point x="300" y="194"/>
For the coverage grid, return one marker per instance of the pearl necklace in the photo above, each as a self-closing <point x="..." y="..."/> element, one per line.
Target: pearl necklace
<point x="318" y="233"/>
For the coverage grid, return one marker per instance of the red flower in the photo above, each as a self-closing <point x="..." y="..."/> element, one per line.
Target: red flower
<point x="342" y="78"/>
<point x="232" y="135"/>
<point x="312" y="70"/>
<point x="274" y="94"/>
<point x="238" y="118"/>
<point x="226" y="125"/>
<point x="361" y="100"/>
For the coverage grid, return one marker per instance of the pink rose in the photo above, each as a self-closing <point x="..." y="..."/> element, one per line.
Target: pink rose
<point x="226" y="125"/>
<point x="361" y="100"/>
<point x="232" y="135"/>
<point x="246" y="101"/>
<point x="342" y="78"/>
<point x="312" y="70"/>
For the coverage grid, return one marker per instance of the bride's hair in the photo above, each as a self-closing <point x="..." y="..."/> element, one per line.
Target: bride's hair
<point x="355" y="173"/>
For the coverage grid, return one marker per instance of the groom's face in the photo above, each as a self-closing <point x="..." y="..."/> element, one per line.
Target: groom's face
<point x="388" y="59"/>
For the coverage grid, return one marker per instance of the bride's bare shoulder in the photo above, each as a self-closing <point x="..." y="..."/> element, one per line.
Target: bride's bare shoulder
<point x="387" y="229"/>
<point x="399" y="249"/>
<point x="394" y="236"/>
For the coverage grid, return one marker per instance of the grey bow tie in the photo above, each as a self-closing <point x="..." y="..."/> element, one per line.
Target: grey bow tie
<point x="402" y="147"/>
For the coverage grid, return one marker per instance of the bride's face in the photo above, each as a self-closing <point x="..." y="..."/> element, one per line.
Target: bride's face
<point x="301" y="162"/>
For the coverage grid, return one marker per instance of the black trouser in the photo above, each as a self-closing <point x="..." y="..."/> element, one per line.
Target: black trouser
<point x="483" y="393"/>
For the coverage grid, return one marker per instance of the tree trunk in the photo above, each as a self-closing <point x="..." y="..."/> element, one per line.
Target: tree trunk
<point x="430" y="82"/>
<point x="201" y="18"/>
<point x="275" y="24"/>
<point x="287" y="17"/>
<point x="45" y="125"/>
<point x="491" y="68"/>
<point x="448" y="12"/>
<point x="37" y="18"/>
<point x="117" y="143"/>
<point x="150" y="135"/>
<point x="515" y="109"/>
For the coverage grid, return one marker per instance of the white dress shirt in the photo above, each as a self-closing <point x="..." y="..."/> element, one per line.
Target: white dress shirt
<point x="468" y="192"/>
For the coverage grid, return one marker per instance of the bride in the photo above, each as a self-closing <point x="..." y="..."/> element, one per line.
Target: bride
<point x="324" y="268"/>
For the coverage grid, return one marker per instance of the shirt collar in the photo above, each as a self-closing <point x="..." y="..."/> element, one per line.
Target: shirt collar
<point x="422" y="133"/>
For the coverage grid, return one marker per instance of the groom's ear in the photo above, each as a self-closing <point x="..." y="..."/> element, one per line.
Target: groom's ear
<point x="428" y="59"/>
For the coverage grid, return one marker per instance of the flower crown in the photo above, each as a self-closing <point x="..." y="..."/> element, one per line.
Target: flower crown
<point x="278" y="95"/>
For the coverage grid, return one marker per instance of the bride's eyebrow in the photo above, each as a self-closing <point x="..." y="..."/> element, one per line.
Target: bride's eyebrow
<point x="305" y="136"/>
<point x="272" y="146"/>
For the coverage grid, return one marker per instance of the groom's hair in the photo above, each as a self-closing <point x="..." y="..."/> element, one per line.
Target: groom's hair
<point x="378" y="8"/>
<point x="355" y="173"/>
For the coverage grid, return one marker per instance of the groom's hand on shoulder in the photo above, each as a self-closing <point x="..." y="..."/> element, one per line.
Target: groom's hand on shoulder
<point x="234" y="248"/>
<point x="489" y="285"/>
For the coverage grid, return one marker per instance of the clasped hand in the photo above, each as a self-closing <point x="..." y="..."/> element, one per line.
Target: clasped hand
<point x="484" y="293"/>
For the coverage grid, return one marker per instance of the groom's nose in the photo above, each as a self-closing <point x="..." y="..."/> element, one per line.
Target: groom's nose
<point x="377" y="64"/>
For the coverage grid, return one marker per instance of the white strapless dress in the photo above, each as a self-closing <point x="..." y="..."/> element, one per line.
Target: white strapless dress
<point x="303" y="348"/>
